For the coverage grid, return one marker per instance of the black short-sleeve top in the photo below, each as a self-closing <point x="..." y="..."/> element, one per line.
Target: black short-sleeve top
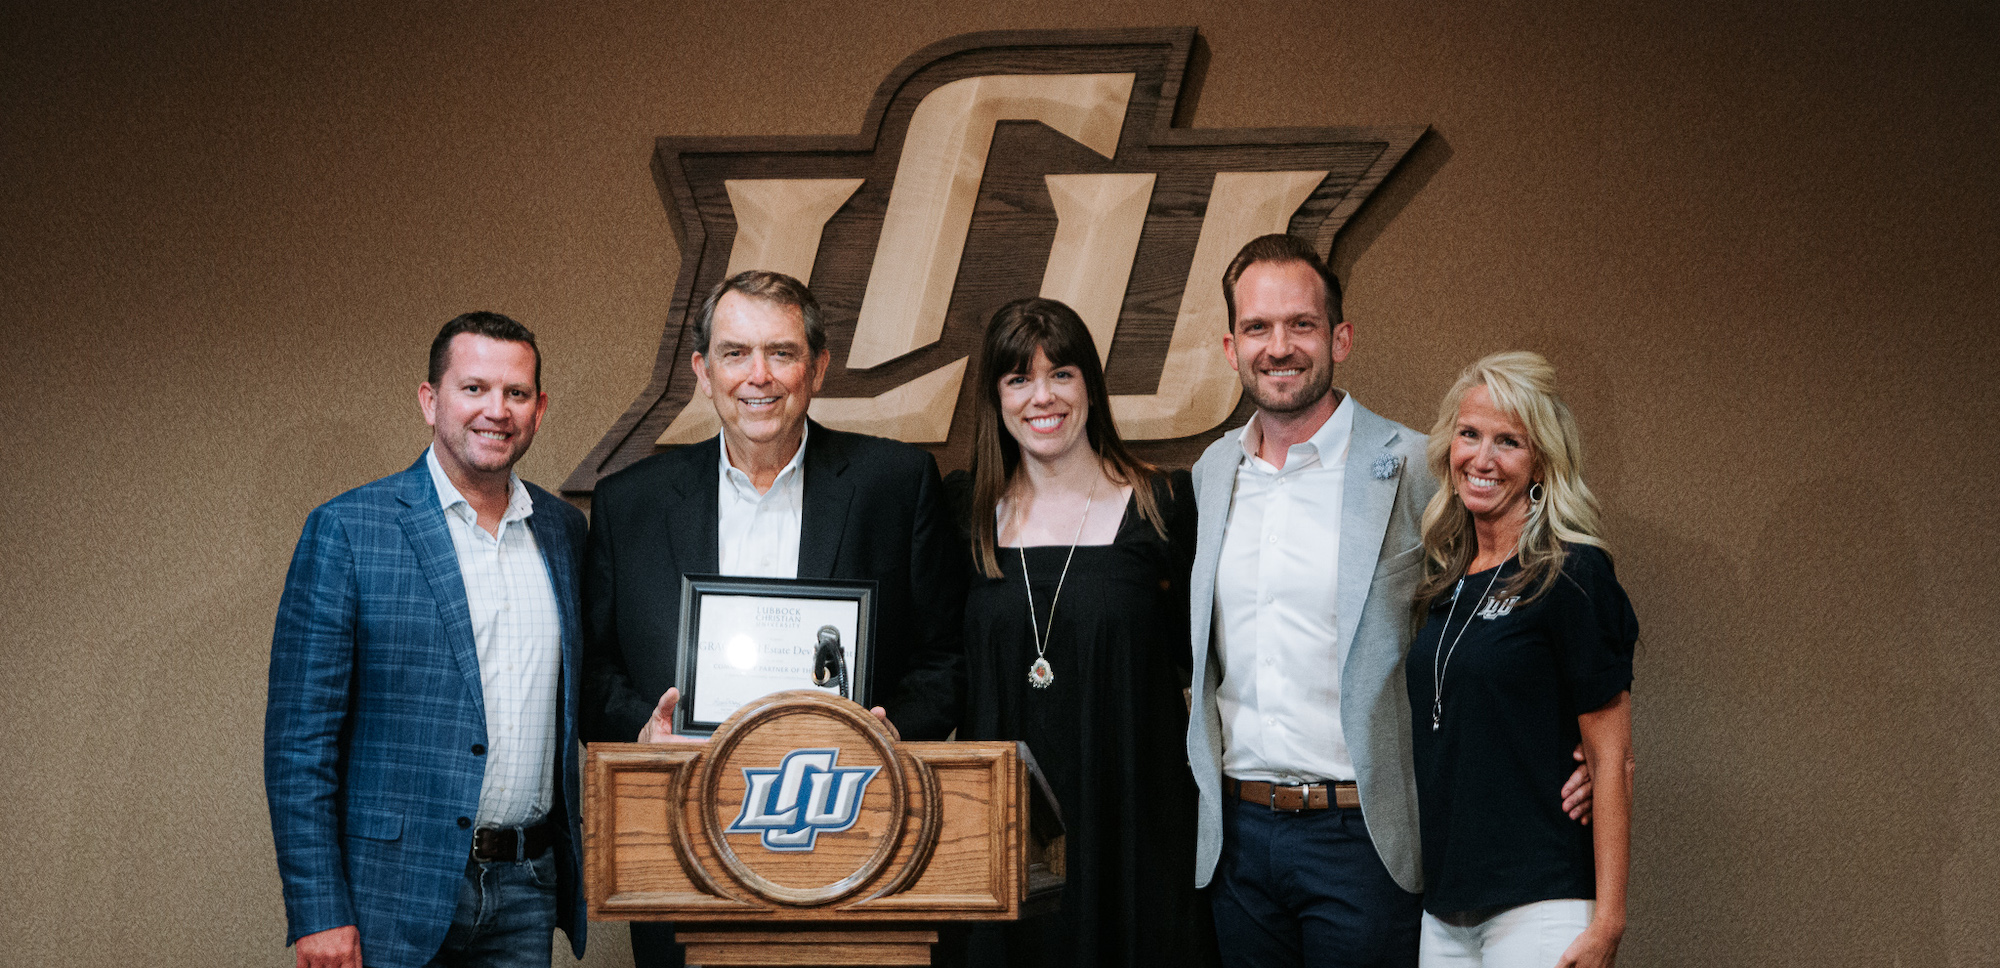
<point x="1515" y="677"/>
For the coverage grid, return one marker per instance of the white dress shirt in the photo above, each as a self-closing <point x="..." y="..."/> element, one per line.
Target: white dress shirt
<point x="758" y="534"/>
<point x="1275" y="623"/>
<point x="518" y="633"/>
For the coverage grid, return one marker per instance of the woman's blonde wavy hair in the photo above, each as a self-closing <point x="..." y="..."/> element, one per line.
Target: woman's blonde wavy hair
<point x="1521" y="385"/>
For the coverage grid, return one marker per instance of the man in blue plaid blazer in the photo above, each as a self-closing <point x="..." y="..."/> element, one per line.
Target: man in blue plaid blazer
<point x="420" y="750"/>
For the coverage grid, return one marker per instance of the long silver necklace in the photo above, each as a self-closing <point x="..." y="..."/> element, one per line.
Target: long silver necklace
<point x="1440" y="666"/>
<point x="1041" y="675"/>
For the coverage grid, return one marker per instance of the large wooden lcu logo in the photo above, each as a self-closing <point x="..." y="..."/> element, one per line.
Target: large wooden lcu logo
<point x="992" y="167"/>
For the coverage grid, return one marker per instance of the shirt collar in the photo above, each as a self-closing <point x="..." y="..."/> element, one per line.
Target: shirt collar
<point x="731" y="475"/>
<point x="519" y="504"/>
<point x="1326" y="447"/>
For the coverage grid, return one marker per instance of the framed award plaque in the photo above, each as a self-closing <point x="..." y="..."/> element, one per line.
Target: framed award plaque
<point x="745" y="638"/>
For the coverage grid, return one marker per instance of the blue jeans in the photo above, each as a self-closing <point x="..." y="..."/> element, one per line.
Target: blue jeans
<point x="1307" y="888"/>
<point x="506" y="915"/>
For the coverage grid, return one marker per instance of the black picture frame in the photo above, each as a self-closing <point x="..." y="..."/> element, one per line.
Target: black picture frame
<point x="783" y="620"/>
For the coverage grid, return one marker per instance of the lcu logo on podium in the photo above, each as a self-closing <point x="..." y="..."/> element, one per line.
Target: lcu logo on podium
<point x="807" y="794"/>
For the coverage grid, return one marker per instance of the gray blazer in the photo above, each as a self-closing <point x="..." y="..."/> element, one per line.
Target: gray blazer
<point x="1381" y="560"/>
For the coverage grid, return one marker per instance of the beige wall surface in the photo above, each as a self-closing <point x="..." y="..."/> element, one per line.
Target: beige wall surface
<point x="1758" y="240"/>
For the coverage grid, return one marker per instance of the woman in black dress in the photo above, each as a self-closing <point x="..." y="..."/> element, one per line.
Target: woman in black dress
<point x="1076" y="642"/>
<point x="1526" y="649"/>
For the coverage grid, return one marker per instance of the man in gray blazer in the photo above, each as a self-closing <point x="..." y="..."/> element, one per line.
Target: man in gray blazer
<point x="1308" y="555"/>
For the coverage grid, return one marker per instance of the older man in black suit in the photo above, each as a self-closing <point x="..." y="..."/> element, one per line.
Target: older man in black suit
<point x="773" y="495"/>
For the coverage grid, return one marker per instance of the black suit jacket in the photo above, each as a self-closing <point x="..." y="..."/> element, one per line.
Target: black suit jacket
<point x="873" y="511"/>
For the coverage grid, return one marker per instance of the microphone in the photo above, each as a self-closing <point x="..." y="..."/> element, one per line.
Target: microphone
<point x="830" y="661"/>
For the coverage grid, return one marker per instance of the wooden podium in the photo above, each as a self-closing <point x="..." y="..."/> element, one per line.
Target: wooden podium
<point x="802" y="833"/>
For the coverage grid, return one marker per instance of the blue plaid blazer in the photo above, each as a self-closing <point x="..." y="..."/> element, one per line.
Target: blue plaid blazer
<point x="375" y="709"/>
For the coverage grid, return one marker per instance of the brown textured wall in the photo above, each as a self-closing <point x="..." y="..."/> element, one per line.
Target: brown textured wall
<point x="1759" y="243"/>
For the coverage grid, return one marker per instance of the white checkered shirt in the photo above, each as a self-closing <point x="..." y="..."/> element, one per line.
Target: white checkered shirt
<point x="519" y="636"/>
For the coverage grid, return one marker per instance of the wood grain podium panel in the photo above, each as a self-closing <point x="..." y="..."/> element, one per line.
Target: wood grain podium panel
<point x="656" y="864"/>
<point x="978" y="790"/>
<point x="936" y="831"/>
<point x="765" y="947"/>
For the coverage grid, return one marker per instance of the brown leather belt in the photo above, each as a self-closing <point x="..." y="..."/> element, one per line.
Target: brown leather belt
<point x="1295" y="797"/>
<point x="512" y="843"/>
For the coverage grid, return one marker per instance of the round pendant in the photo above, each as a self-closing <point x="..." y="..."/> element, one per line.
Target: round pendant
<point x="1040" y="675"/>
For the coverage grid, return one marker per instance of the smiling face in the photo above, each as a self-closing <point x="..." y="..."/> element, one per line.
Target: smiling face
<point x="1045" y="408"/>
<point x="1492" y="461"/>
<point x="484" y="410"/>
<point x="1282" y="345"/>
<point x="759" y="373"/>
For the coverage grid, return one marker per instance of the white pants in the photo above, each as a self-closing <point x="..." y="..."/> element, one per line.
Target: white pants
<point x="1529" y="936"/>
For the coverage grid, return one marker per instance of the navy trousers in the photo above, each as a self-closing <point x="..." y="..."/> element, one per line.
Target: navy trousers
<point x="653" y="945"/>
<point x="1307" y="888"/>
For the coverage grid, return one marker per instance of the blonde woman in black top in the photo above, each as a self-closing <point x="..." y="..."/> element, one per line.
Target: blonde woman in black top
<point x="1525" y="650"/>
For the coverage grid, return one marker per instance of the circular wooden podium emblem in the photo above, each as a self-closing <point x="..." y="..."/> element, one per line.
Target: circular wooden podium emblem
<point x="803" y="799"/>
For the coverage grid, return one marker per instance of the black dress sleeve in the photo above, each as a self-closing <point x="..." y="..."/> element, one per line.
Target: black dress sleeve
<point x="1594" y="628"/>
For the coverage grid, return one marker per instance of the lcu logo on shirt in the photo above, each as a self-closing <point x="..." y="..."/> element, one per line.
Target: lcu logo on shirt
<point x="1494" y="608"/>
<point x="808" y="793"/>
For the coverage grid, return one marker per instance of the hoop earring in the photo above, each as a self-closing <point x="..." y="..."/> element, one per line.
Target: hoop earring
<point x="1535" y="492"/>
